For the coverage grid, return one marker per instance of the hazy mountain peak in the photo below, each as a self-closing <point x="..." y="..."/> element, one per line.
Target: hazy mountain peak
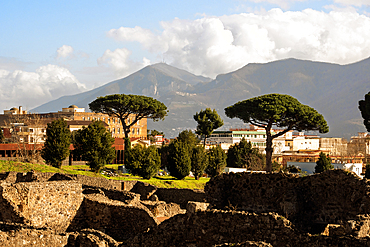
<point x="333" y="90"/>
<point x="180" y="74"/>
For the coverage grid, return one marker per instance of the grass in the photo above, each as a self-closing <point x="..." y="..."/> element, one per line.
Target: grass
<point x="159" y="181"/>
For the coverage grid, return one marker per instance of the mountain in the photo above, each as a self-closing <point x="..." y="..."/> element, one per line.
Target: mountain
<point x="333" y="90"/>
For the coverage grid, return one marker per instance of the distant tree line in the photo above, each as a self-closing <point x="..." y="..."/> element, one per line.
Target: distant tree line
<point x="185" y="154"/>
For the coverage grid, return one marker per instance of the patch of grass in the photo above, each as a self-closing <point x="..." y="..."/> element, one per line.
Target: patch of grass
<point x="159" y="181"/>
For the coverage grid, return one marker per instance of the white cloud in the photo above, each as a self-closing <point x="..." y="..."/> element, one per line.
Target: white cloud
<point x="31" y="89"/>
<point x="214" y="45"/>
<point x="119" y="61"/>
<point x="64" y="51"/>
<point x="357" y="3"/>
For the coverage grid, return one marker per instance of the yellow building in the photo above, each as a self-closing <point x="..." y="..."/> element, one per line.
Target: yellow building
<point x="74" y="113"/>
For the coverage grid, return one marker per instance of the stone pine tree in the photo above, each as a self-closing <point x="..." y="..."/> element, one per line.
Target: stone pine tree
<point x="216" y="161"/>
<point x="278" y="110"/>
<point x="56" y="146"/>
<point x="242" y="155"/>
<point x="178" y="160"/>
<point x="364" y="106"/>
<point x="199" y="161"/>
<point x="208" y="120"/>
<point x="125" y="106"/>
<point x="323" y="163"/>
<point x="144" y="162"/>
<point x="94" y="145"/>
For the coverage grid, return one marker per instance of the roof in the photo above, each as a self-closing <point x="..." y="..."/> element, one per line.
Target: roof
<point x="82" y="122"/>
<point x="73" y="106"/>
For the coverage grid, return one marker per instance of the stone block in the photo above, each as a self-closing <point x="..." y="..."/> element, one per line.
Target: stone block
<point x="145" y="190"/>
<point x="48" y="204"/>
<point x="334" y="230"/>
<point x="193" y="207"/>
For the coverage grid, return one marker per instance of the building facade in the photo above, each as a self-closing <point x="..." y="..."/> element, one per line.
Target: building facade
<point x="32" y="126"/>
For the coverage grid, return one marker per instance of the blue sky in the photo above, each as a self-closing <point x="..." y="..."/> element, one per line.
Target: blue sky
<point x="52" y="48"/>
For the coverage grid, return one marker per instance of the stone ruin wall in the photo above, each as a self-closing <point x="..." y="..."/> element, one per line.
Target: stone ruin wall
<point x="309" y="202"/>
<point x="72" y="203"/>
<point x="255" y="207"/>
<point x="114" y="218"/>
<point x="216" y="227"/>
<point x="48" y="204"/>
<point x="169" y="195"/>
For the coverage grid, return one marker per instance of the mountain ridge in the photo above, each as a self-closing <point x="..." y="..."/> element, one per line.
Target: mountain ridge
<point x="332" y="89"/>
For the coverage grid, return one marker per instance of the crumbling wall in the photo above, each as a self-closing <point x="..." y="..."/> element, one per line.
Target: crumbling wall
<point x="49" y="204"/>
<point x="114" y="218"/>
<point x="15" y="235"/>
<point x="212" y="227"/>
<point x="309" y="202"/>
<point x="180" y="196"/>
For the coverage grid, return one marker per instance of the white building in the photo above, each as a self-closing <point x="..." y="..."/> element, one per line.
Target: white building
<point x="255" y="135"/>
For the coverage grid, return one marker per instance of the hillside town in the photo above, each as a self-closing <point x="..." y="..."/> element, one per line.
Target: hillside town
<point x="22" y="130"/>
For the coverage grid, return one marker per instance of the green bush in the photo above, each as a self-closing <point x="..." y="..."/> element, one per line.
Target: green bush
<point x="367" y="172"/>
<point x="94" y="145"/>
<point x="56" y="146"/>
<point x="199" y="161"/>
<point x="179" y="162"/>
<point x="144" y="162"/>
<point x="216" y="161"/>
<point x="242" y="155"/>
<point x="323" y="164"/>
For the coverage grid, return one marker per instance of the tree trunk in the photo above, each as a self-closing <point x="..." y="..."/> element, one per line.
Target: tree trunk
<point x="269" y="149"/>
<point x="127" y="147"/>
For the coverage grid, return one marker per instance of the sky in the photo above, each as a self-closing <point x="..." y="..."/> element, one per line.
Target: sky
<point x="49" y="49"/>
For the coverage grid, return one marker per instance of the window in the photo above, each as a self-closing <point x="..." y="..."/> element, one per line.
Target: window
<point x="113" y="131"/>
<point x="138" y="122"/>
<point x="138" y="131"/>
<point x="118" y="130"/>
<point x="31" y="130"/>
<point x="31" y="139"/>
<point x="109" y="120"/>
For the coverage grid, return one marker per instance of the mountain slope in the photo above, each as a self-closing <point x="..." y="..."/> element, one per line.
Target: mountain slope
<point x="333" y="90"/>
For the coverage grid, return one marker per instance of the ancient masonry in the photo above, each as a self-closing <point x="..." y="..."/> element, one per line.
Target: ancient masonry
<point x="243" y="209"/>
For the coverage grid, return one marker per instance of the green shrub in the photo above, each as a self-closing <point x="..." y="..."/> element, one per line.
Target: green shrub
<point x="216" y="161"/>
<point x="199" y="161"/>
<point x="179" y="162"/>
<point x="144" y="162"/>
